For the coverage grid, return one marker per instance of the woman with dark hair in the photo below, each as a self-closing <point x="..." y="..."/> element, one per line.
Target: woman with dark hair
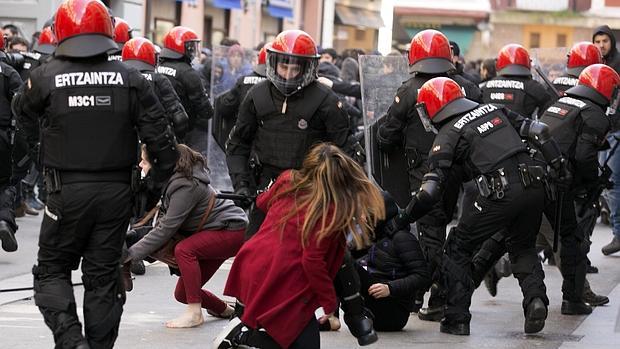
<point x="391" y="272"/>
<point x="213" y="229"/>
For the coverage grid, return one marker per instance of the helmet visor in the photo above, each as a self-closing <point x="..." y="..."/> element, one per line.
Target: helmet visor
<point x="424" y="118"/>
<point x="192" y="49"/>
<point x="614" y="103"/>
<point x="290" y="73"/>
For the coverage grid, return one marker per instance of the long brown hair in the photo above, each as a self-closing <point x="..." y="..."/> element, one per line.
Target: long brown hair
<point x="188" y="158"/>
<point x="331" y="181"/>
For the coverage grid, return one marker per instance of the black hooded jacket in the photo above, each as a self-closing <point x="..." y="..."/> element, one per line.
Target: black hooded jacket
<point x="612" y="58"/>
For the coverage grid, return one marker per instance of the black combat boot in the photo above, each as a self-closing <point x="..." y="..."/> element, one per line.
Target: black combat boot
<point x="535" y="316"/>
<point x="575" y="308"/>
<point x="7" y="235"/>
<point x="361" y="327"/>
<point x="454" y="327"/>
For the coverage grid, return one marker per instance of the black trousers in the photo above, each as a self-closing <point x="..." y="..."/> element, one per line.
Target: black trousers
<point x="86" y="221"/>
<point x="21" y="164"/>
<point x="7" y="191"/>
<point x="575" y="247"/>
<point x="309" y="338"/>
<point x="519" y="213"/>
<point x="391" y="314"/>
<point x="432" y="230"/>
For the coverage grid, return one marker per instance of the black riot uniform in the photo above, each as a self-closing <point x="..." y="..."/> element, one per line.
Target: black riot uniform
<point x="564" y="82"/>
<point x="579" y="123"/>
<point x="278" y="131"/>
<point x="227" y="105"/>
<point x="79" y="97"/>
<point x="31" y="61"/>
<point x="188" y="86"/>
<point x="521" y="94"/>
<point x="177" y="117"/>
<point x="403" y="126"/>
<point x="483" y="138"/>
<point x="10" y="82"/>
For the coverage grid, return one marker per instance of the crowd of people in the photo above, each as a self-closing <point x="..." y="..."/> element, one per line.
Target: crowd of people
<point x="519" y="157"/>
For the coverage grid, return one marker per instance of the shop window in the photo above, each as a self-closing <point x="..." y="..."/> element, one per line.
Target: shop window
<point x="560" y="40"/>
<point x="534" y="40"/>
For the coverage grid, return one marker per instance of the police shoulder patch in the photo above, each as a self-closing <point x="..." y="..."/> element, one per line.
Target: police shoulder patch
<point x="397" y="99"/>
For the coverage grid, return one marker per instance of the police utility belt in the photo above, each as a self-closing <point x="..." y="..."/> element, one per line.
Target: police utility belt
<point x="496" y="183"/>
<point x="54" y="179"/>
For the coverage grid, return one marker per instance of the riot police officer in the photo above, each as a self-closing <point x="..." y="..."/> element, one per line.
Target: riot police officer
<point x="141" y="54"/>
<point x="181" y="46"/>
<point x="122" y="34"/>
<point x="41" y="51"/>
<point x="484" y="138"/>
<point x="430" y="56"/>
<point x="278" y="122"/>
<point x="10" y="82"/>
<point x="581" y="55"/>
<point x="513" y="87"/>
<point x="579" y="123"/>
<point x="76" y="97"/>
<point x="227" y="104"/>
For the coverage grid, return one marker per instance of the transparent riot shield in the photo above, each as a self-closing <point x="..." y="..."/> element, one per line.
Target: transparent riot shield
<point x="380" y="78"/>
<point x="551" y="61"/>
<point x="227" y="66"/>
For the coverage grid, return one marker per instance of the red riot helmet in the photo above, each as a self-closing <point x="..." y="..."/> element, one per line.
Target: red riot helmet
<point x="581" y="55"/>
<point x="430" y="53"/>
<point x="261" y="63"/>
<point x="440" y="99"/>
<point x="122" y="31"/>
<point x="513" y="59"/>
<point x="292" y="61"/>
<point x="598" y="83"/>
<point x="181" y="42"/>
<point x="140" y="53"/>
<point x="83" y="28"/>
<point x="2" y="43"/>
<point x="46" y="43"/>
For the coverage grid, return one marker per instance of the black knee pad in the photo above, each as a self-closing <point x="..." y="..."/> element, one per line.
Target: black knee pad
<point x="52" y="287"/>
<point x="104" y="296"/>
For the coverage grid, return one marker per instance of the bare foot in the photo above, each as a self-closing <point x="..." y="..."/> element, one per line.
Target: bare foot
<point x="188" y="319"/>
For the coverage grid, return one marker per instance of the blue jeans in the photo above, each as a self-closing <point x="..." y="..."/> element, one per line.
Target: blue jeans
<point x="613" y="195"/>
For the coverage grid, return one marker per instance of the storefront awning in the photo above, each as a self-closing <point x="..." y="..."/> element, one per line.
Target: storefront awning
<point x="358" y="17"/>
<point x="280" y="8"/>
<point x="227" y="4"/>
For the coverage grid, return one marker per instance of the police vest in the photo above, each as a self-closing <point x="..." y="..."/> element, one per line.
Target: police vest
<point x="565" y="123"/>
<point x="174" y="70"/>
<point x="90" y="119"/>
<point x="508" y="92"/>
<point x="5" y="102"/>
<point x="563" y="83"/>
<point x="31" y="61"/>
<point x="282" y="140"/>
<point x="491" y="137"/>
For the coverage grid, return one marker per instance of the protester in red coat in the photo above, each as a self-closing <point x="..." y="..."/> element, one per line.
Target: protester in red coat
<point x="286" y="271"/>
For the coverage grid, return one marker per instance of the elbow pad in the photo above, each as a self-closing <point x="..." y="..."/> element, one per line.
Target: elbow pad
<point x="429" y="192"/>
<point x="538" y="133"/>
<point x="425" y="198"/>
<point x="163" y="154"/>
<point x="180" y="122"/>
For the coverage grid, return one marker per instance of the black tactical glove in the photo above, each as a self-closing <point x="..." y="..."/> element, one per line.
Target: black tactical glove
<point x="560" y="174"/>
<point x="247" y="202"/>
